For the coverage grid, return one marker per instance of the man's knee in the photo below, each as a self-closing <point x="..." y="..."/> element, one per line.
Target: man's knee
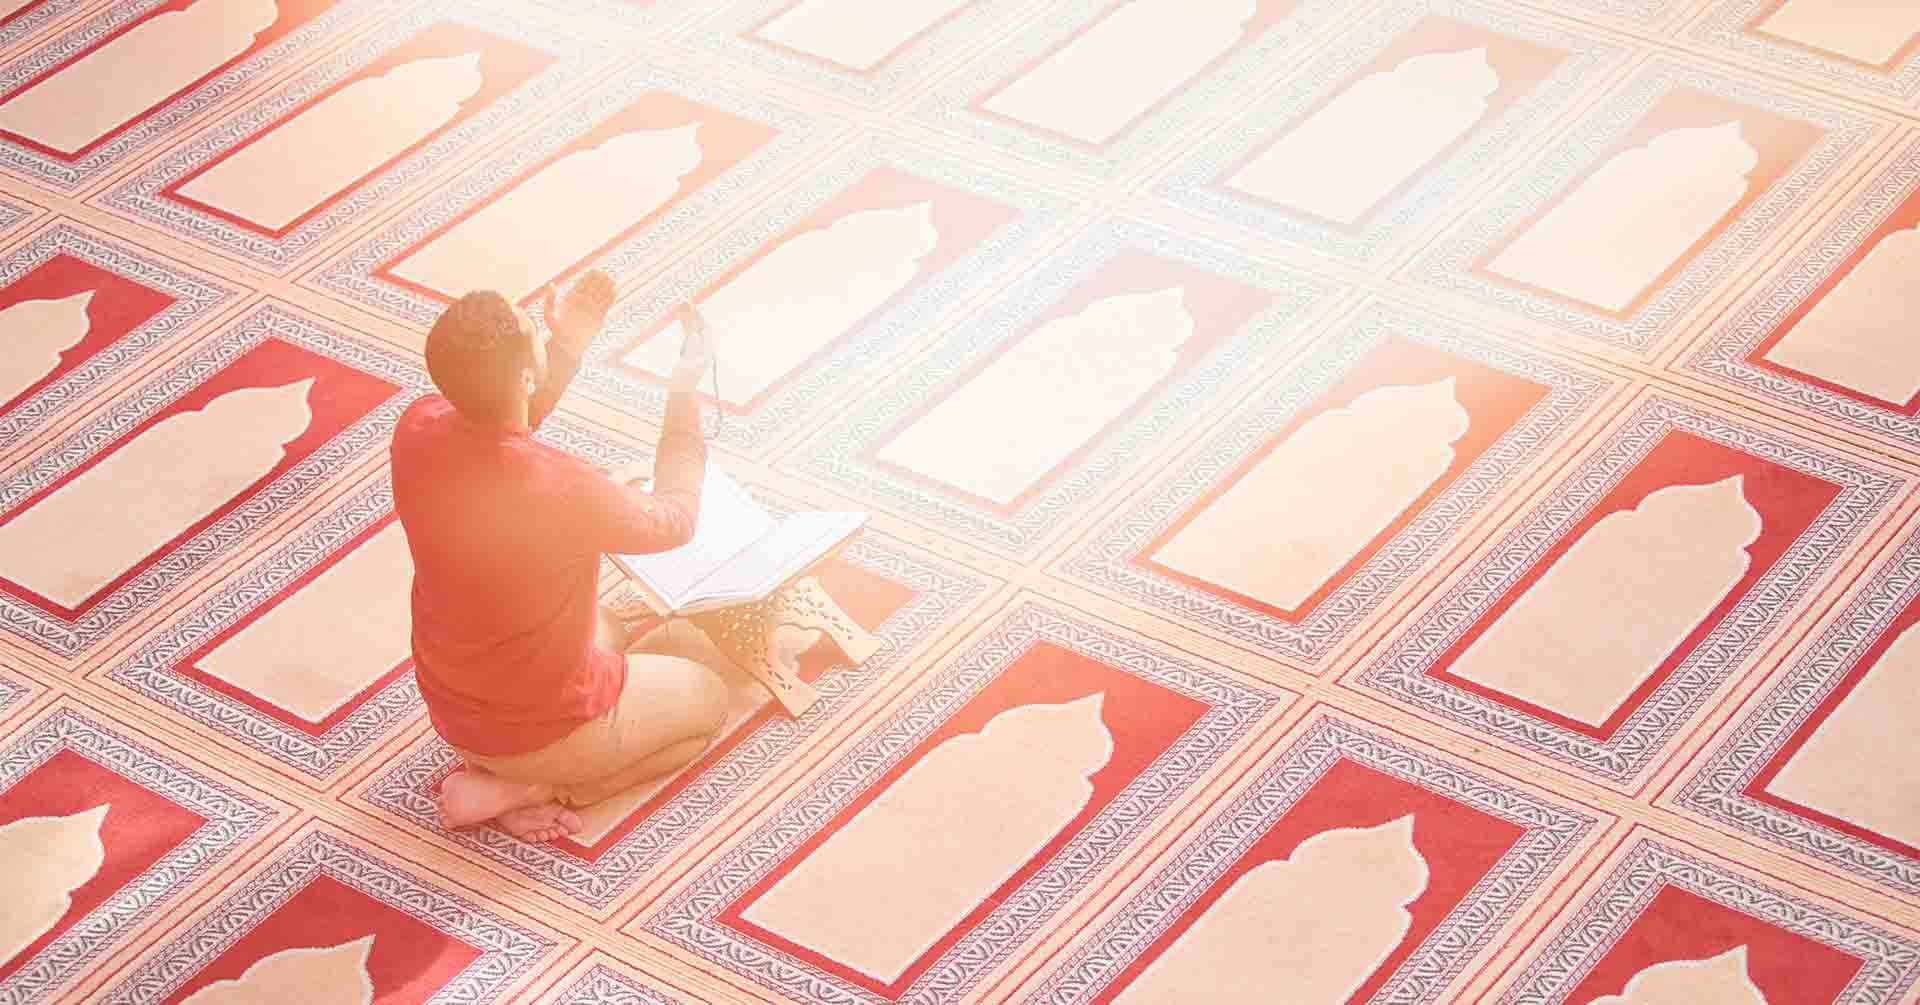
<point x="712" y="698"/>
<point x="683" y="690"/>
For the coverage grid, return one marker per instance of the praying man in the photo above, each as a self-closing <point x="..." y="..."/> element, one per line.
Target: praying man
<point x="523" y="673"/>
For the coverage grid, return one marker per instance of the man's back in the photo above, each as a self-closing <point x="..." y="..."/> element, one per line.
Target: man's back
<point x="504" y="581"/>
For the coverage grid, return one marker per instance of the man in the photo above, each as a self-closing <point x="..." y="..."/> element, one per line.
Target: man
<point x="522" y="672"/>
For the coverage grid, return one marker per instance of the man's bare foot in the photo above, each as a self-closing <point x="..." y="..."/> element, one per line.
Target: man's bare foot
<point x="537" y="824"/>
<point x="470" y="797"/>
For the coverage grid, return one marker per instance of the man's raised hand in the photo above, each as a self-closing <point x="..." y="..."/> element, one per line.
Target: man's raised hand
<point x="696" y="352"/>
<point x="578" y="319"/>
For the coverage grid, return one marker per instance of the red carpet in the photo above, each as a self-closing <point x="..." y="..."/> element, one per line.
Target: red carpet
<point x="1405" y="501"/>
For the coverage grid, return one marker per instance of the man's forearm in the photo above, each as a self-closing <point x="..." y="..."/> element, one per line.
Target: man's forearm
<point x="621" y="518"/>
<point x="680" y="459"/>
<point x="561" y="367"/>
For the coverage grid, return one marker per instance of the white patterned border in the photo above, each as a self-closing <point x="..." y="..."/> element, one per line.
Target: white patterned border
<point x="269" y="321"/>
<point x="885" y="335"/>
<point x="160" y="122"/>
<point x="194" y="298"/>
<point x="1645" y="12"/>
<point x="142" y="197"/>
<point x="12" y="214"/>
<point x="1772" y="601"/>
<point x="940" y="596"/>
<point x="507" y="950"/>
<point x="32" y="21"/>
<point x="1722" y="357"/>
<point x="975" y="25"/>
<point x="1256" y="59"/>
<point x="12" y="692"/>
<point x="834" y="455"/>
<point x="604" y="985"/>
<point x="231" y="818"/>
<point x="1890" y="963"/>
<point x="39" y="18"/>
<point x="1450" y="267"/>
<point x="657" y="18"/>
<point x="1725" y="29"/>
<point x="353" y="274"/>
<point x="1107" y="561"/>
<point x="1195" y="183"/>
<point x="1550" y="834"/>
<point x="1718" y="790"/>
<point x="690" y="920"/>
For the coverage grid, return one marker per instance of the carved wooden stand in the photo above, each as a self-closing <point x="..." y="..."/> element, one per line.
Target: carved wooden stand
<point x="747" y="635"/>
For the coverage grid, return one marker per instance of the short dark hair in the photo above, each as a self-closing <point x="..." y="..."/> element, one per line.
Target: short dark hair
<point x="475" y="353"/>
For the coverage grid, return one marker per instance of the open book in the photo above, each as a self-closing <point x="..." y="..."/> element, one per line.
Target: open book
<point x="739" y="552"/>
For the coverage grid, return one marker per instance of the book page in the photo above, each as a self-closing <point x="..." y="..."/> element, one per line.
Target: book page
<point x="784" y="552"/>
<point x="729" y="523"/>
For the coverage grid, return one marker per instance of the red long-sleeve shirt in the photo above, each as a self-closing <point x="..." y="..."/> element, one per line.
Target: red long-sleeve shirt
<point x="506" y="535"/>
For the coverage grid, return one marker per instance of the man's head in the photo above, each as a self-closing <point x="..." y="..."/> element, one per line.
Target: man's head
<point x="487" y="357"/>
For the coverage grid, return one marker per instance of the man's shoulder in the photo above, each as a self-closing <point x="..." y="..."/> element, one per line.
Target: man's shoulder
<point x="428" y="408"/>
<point x="427" y="413"/>
<point x="423" y="424"/>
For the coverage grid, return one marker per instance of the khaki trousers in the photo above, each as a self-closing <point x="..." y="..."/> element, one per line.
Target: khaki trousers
<point x="672" y="705"/>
